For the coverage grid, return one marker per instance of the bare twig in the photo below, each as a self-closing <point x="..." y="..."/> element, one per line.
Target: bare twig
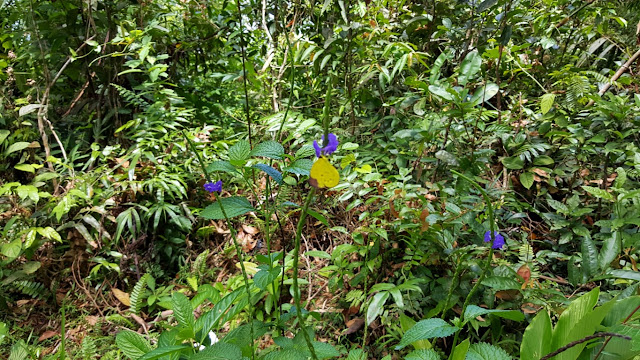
<point x="578" y="342"/>
<point x="618" y="73"/>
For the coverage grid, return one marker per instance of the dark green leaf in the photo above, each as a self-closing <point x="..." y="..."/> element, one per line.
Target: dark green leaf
<point x="427" y="329"/>
<point x="273" y="173"/>
<point x="269" y="149"/>
<point x="233" y="206"/>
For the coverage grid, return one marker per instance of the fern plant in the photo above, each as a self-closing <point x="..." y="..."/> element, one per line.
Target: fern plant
<point x="137" y="294"/>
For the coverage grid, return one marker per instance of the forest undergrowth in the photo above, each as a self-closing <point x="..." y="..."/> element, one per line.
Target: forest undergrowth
<point x="350" y="179"/>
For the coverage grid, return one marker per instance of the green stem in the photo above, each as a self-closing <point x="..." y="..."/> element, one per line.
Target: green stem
<point x="235" y="241"/>
<point x="487" y="266"/>
<point x="296" y="256"/>
<point x="456" y="274"/>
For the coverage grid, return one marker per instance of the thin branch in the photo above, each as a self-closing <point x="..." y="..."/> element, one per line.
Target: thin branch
<point x="618" y="73"/>
<point x="578" y="342"/>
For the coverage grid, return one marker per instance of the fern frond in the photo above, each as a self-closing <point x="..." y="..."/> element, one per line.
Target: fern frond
<point x="88" y="348"/>
<point x="137" y="295"/>
<point x="30" y="288"/>
<point x="131" y="97"/>
<point x="200" y="263"/>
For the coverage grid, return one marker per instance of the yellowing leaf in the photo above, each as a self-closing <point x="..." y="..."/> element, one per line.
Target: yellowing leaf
<point x="122" y="296"/>
<point x="323" y="174"/>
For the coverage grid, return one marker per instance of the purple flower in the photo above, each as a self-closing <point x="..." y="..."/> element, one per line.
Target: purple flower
<point x="213" y="186"/>
<point x="332" y="145"/>
<point x="498" y="243"/>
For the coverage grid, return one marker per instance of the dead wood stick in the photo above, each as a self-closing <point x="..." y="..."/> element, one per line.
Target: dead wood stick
<point x="618" y="73"/>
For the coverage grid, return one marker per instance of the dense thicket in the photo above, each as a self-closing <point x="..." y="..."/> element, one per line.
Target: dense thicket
<point x="454" y="119"/>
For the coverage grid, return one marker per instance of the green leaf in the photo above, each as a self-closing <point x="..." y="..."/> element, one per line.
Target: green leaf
<point x="513" y="163"/>
<point x="546" y="102"/>
<point x="526" y="179"/>
<point x="589" y="257"/>
<point x="132" y="344"/>
<point x="501" y="283"/>
<point x="239" y="152"/>
<point x="17" y="146"/>
<point x="223" y="166"/>
<point x="11" y="250"/>
<point x="300" y="167"/>
<point x="427" y="329"/>
<point x="441" y="92"/>
<point x="29" y="191"/>
<point x="598" y="193"/>
<point x="164" y="351"/>
<point x="318" y="254"/>
<point x="486" y="5"/>
<point x="355" y="354"/>
<point x="575" y="312"/>
<point x="28" y="167"/>
<point x="423" y="354"/>
<point x="469" y="67"/>
<point x="183" y="312"/>
<point x="536" y="341"/>
<point x="543" y="160"/>
<point x="265" y="277"/>
<point x="376" y="307"/>
<point x="3" y="135"/>
<point x="460" y="352"/>
<point x="473" y="311"/>
<point x="484" y="351"/>
<point x="219" y="351"/>
<point x="233" y="206"/>
<point x="273" y="173"/>
<point x="305" y="151"/>
<point x="269" y="149"/>
<point x="484" y="93"/>
<point x="609" y="251"/>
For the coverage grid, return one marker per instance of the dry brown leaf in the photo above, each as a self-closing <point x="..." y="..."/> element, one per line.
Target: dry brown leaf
<point x="541" y="172"/>
<point x="353" y="325"/>
<point x="91" y="320"/>
<point x="250" y="229"/>
<point x="122" y="296"/>
<point x="47" y="335"/>
<point x="508" y="295"/>
<point x="530" y="308"/>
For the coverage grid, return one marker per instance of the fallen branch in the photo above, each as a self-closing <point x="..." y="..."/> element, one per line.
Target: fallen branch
<point x="578" y="342"/>
<point x="618" y="73"/>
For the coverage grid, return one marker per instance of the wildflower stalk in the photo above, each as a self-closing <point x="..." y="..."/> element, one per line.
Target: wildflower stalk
<point x="296" y="256"/>
<point x="235" y="241"/>
<point x="487" y="265"/>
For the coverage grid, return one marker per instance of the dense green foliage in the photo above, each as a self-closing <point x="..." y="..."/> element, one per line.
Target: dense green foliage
<point x="461" y="124"/>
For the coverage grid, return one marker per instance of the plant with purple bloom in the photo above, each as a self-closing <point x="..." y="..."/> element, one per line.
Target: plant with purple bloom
<point x="498" y="243"/>
<point x="213" y="186"/>
<point x="332" y="145"/>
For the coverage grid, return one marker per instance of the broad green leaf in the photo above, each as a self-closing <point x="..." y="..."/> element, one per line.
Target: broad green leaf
<point x="526" y="179"/>
<point x="546" y="102"/>
<point x="3" y="135"/>
<point x="305" y="151"/>
<point x="17" y="146"/>
<point x="543" y="160"/>
<point x="486" y="5"/>
<point x="223" y="166"/>
<point x="132" y="344"/>
<point x="501" y="283"/>
<point x="233" y="206"/>
<point x="407" y="323"/>
<point x="219" y="351"/>
<point x="318" y="254"/>
<point x="269" y="149"/>
<point x="300" y="167"/>
<point x="598" y="193"/>
<point x="585" y="327"/>
<point x="29" y="191"/>
<point x="265" y="277"/>
<point x="27" y="109"/>
<point x="28" y="167"/>
<point x="376" y="307"/>
<point x="211" y="319"/>
<point x="11" y="250"/>
<point x="484" y="93"/>
<point x="536" y="341"/>
<point x="484" y="351"/>
<point x="441" y="92"/>
<point x="426" y="329"/>
<point x="423" y="354"/>
<point x="577" y="310"/>
<point x="461" y="350"/>
<point x="354" y="354"/>
<point x="273" y="173"/>
<point x="609" y="251"/>
<point x="183" y="312"/>
<point x="164" y="351"/>
<point x="589" y="256"/>
<point x="469" y="67"/>
<point x="513" y="163"/>
<point x="473" y="311"/>
<point x="239" y="152"/>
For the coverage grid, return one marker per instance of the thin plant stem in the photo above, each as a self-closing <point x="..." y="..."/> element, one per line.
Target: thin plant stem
<point x="487" y="265"/>
<point x="244" y="74"/>
<point x="235" y="242"/>
<point x="296" y="256"/>
<point x="456" y="274"/>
